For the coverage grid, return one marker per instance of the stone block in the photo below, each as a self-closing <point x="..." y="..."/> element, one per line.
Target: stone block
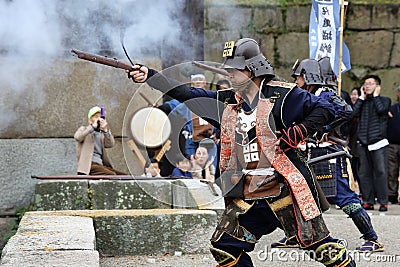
<point x="134" y="232"/>
<point x="390" y="82"/>
<point x="67" y="89"/>
<point x="214" y="41"/>
<point x="358" y="17"/>
<point x="40" y="232"/>
<point x="267" y="46"/>
<point x="25" y="157"/>
<point x="296" y="20"/>
<point x="139" y="194"/>
<point x="61" y="195"/>
<point x="267" y="19"/>
<point x="292" y="46"/>
<point x="228" y="17"/>
<point x="371" y="48"/>
<point x="395" y="58"/>
<point x="377" y="16"/>
<point x="43" y="239"/>
<point x="384" y="17"/>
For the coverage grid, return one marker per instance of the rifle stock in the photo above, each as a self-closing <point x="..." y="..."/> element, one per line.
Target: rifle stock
<point x="113" y="62"/>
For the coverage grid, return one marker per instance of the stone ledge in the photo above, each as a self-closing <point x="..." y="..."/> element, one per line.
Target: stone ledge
<point x="48" y="240"/>
<point x="155" y="232"/>
<point x="126" y="194"/>
<point x="54" y="238"/>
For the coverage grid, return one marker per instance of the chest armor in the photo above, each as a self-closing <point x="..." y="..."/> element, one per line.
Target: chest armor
<point x="266" y="139"/>
<point x="249" y="151"/>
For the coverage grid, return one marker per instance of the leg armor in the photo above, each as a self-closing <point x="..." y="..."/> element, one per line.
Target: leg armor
<point x="229" y="222"/>
<point x="287" y="211"/>
<point x="362" y="220"/>
<point x="223" y="258"/>
<point x="334" y="254"/>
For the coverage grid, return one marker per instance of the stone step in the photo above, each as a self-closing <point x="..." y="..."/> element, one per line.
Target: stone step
<point x="126" y="194"/>
<point x="52" y="240"/>
<point x="43" y="235"/>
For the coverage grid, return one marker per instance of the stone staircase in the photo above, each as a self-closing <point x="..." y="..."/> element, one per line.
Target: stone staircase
<point x="131" y="217"/>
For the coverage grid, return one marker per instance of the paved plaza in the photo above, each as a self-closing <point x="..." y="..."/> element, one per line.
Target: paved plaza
<point x="386" y="224"/>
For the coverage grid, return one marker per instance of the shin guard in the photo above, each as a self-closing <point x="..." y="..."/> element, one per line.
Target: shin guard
<point x="223" y="258"/>
<point x="333" y="254"/>
<point x="362" y="220"/>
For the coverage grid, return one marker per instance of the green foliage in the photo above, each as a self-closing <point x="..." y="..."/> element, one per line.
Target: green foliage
<point x="89" y="203"/>
<point x="13" y="226"/>
<point x="78" y="200"/>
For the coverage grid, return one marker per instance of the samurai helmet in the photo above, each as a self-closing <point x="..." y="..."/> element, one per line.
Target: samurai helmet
<point x="310" y="70"/>
<point x="326" y="71"/>
<point x="245" y="53"/>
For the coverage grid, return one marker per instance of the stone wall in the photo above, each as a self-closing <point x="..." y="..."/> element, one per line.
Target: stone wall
<point x="371" y="34"/>
<point x="38" y="120"/>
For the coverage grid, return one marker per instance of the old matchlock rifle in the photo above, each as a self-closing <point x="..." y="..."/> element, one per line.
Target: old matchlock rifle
<point x="113" y="62"/>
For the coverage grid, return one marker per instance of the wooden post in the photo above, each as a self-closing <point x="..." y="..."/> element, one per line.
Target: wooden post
<point x="343" y="3"/>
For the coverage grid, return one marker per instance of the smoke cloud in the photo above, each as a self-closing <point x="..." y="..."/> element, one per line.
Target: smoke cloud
<point x="50" y="28"/>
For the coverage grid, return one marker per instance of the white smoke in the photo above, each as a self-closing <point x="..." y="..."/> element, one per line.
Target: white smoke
<point x="48" y="29"/>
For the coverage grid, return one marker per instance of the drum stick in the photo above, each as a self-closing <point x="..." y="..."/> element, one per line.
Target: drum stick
<point x="137" y="152"/>
<point x="165" y="148"/>
<point x="147" y="100"/>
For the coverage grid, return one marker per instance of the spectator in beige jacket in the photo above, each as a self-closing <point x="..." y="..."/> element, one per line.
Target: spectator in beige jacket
<point x="92" y="141"/>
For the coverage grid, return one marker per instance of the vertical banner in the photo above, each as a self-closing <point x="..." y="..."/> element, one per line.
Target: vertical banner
<point x="324" y="34"/>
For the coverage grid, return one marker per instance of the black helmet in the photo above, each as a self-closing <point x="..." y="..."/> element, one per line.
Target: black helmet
<point x="310" y="70"/>
<point x="326" y="71"/>
<point x="245" y="53"/>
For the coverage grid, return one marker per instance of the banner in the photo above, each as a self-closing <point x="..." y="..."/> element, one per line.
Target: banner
<point x="324" y="34"/>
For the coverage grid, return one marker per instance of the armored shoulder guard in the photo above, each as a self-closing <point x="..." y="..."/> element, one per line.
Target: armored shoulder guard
<point x="277" y="91"/>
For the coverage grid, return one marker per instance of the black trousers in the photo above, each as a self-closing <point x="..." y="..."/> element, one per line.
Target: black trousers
<point x="373" y="173"/>
<point x="393" y="169"/>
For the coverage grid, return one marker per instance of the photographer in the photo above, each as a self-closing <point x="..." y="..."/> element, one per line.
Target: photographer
<point x="371" y="109"/>
<point x="92" y="141"/>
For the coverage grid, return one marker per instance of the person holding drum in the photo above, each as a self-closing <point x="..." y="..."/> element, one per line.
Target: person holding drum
<point x="92" y="140"/>
<point x="265" y="181"/>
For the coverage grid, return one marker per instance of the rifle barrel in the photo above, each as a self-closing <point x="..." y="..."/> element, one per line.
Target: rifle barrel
<point x="113" y="62"/>
<point x="210" y="68"/>
<point x="328" y="157"/>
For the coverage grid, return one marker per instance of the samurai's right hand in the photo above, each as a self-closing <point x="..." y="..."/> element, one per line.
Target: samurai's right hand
<point x="138" y="74"/>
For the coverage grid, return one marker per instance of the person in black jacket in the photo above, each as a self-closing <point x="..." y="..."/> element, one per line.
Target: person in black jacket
<point x="372" y="110"/>
<point x="394" y="150"/>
